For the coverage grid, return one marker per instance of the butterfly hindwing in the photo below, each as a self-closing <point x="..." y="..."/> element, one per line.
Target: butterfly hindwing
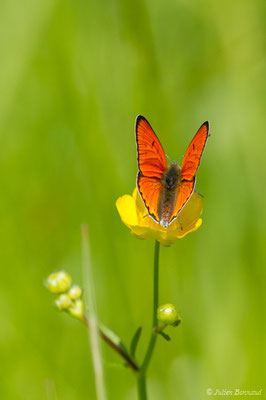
<point x="150" y="189"/>
<point x="185" y="190"/>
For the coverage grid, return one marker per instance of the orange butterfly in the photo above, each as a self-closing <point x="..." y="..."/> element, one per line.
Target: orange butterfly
<point x="165" y="189"/>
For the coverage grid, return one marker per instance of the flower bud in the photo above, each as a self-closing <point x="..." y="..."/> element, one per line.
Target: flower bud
<point x="63" y="302"/>
<point x="76" y="309"/>
<point x="75" y="292"/>
<point x="167" y="314"/>
<point x="58" y="282"/>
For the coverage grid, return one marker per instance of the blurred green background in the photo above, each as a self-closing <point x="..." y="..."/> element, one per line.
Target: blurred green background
<point x="73" y="77"/>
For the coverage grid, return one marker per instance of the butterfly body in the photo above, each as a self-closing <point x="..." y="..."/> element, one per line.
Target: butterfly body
<point x="165" y="189"/>
<point x="172" y="177"/>
<point x="171" y="181"/>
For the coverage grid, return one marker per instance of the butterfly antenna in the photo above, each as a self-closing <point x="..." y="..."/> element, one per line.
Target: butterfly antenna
<point x="180" y="223"/>
<point x="168" y="158"/>
<point x="180" y="158"/>
<point x="201" y="195"/>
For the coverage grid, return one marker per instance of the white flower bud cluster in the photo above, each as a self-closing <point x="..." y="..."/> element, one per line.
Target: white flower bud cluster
<point x="69" y="298"/>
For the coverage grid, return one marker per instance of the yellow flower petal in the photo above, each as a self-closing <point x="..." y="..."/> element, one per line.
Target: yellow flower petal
<point x="127" y="209"/>
<point x="135" y="216"/>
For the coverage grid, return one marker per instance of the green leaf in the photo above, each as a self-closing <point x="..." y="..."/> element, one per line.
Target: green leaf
<point x="165" y="336"/>
<point x="134" y="341"/>
<point x="115" y="365"/>
<point x="112" y="337"/>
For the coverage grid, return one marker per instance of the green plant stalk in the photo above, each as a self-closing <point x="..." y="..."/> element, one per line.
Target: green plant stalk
<point x="92" y="316"/>
<point x="141" y="376"/>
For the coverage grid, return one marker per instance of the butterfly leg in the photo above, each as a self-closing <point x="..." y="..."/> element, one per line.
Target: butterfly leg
<point x="180" y="223"/>
<point x="201" y="195"/>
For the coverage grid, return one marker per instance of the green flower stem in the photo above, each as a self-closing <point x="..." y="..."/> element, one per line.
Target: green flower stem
<point x="142" y="391"/>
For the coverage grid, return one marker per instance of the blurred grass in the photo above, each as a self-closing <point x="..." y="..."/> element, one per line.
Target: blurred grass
<point x="73" y="77"/>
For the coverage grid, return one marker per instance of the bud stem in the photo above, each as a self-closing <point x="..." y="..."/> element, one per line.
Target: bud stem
<point x="126" y="357"/>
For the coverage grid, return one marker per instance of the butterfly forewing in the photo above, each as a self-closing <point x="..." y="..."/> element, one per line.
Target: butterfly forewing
<point x="194" y="152"/>
<point x="151" y="156"/>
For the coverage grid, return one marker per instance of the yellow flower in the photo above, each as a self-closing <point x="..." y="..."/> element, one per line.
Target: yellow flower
<point x="134" y="215"/>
